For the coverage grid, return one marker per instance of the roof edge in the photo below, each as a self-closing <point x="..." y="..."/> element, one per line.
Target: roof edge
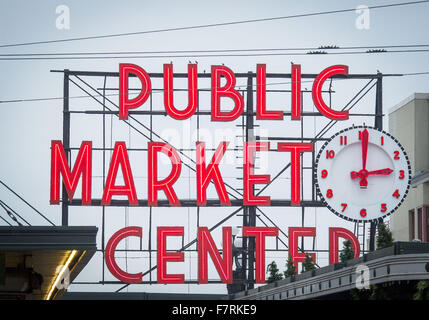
<point x="414" y="96"/>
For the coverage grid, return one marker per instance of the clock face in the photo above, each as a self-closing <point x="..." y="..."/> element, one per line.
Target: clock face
<point x="362" y="174"/>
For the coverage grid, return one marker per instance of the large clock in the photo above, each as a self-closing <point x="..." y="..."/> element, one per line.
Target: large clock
<point x="362" y="174"/>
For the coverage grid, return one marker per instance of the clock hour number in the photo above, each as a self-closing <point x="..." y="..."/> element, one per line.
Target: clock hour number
<point x="396" y="157"/>
<point x="401" y="174"/>
<point x="329" y="193"/>
<point x="330" y="154"/>
<point x="382" y="141"/>
<point x="343" y="140"/>
<point x="324" y="173"/>
<point x="396" y="194"/>
<point x="383" y="207"/>
<point x="344" y="205"/>
<point x="363" y="213"/>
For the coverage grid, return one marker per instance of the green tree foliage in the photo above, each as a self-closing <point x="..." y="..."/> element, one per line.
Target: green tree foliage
<point x="384" y="237"/>
<point x="347" y="253"/>
<point x="375" y="292"/>
<point x="290" y="268"/>
<point x="274" y="274"/>
<point x="308" y="263"/>
<point x="360" y="294"/>
<point x="378" y="293"/>
<point x="422" y="290"/>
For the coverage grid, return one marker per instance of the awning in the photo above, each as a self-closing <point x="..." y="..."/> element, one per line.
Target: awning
<point x="37" y="259"/>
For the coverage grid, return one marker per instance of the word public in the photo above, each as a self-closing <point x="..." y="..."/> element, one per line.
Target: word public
<point x="226" y="91"/>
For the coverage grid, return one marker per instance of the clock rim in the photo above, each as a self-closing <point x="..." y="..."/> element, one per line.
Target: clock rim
<point x="316" y="178"/>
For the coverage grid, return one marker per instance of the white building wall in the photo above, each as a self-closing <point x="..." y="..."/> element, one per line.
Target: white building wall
<point x="409" y="123"/>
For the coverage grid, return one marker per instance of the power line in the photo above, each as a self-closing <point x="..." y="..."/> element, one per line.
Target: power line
<point x="12" y="214"/>
<point x="213" y="50"/>
<point x="210" y="25"/>
<point x="27" y="203"/>
<point x="40" y="99"/>
<point x="6" y="221"/>
<point x="215" y="55"/>
<point x="117" y="94"/>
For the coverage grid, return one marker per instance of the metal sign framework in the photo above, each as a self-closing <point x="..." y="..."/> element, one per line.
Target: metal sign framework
<point x="243" y="276"/>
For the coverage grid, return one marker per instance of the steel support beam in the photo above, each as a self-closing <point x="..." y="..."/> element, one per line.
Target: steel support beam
<point x="66" y="144"/>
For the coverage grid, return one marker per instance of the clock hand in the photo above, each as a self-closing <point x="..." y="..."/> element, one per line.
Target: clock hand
<point x="385" y="172"/>
<point x="365" y="136"/>
<point x="355" y="174"/>
<point x="364" y="173"/>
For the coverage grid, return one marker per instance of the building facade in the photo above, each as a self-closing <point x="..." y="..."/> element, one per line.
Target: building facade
<point x="409" y="123"/>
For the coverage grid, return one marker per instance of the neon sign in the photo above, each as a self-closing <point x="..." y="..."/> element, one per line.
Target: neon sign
<point x="208" y="170"/>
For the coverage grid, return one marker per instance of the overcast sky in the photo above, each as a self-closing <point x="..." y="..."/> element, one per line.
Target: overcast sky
<point x="27" y="128"/>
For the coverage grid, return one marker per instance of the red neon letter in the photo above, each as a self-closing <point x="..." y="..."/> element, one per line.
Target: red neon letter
<point x="260" y="233"/>
<point x="205" y="175"/>
<point x="163" y="256"/>
<point x="207" y="245"/>
<point x="334" y="235"/>
<point x="294" y="233"/>
<point x="120" y="157"/>
<point x="295" y="149"/>
<point x="227" y="91"/>
<point x="192" y="92"/>
<point x="317" y="92"/>
<point x="167" y="183"/>
<point x="261" y="112"/>
<point x="296" y="92"/>
<point x="124" y="103"/>
<point x="82" y="166"/>
<point x="110" y="255"/>
<point x="249" y="179"/>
